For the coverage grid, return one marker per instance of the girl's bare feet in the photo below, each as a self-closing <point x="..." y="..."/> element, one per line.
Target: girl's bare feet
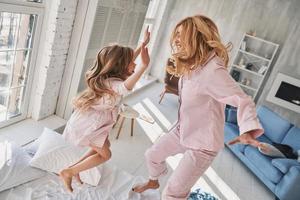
<point x="151" y="184"/>
<point x="66" y="176"/>
<point x="78" y="179"/>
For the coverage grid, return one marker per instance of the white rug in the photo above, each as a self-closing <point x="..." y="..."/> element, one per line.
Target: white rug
<point x="115" y="184"/>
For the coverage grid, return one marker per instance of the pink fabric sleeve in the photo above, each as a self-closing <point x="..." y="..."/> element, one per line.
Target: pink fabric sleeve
<point x="224" y="89"/>
<point x="119" y="87"/>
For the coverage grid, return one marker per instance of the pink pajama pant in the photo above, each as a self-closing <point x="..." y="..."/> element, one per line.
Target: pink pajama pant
<point x="192" y="165"/>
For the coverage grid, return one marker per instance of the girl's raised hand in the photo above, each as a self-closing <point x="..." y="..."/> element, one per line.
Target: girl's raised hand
<point x="146" y="36"/>
<point x="145" y="56"/>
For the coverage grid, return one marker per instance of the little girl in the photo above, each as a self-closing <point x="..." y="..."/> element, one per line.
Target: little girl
<point x="96" y="109"/>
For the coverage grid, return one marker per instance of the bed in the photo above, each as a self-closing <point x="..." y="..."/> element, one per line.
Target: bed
<point x="114" y="184"/>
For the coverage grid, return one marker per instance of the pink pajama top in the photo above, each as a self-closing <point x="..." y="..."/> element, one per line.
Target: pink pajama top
<point x="93" y="126"/>
<point x="203" y="94"/>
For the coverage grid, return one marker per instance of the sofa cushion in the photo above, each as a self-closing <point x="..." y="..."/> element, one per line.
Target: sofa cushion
<point x="264" y="138"/>
<point x="284" y="164"/>
<point x="275" y="127"/>
<point x="263" y="164"/>
<point x="232" y="131"/>
<point x="232" y="115"/>
<point x="292" y="138"/>
<point x="226" y="113"/>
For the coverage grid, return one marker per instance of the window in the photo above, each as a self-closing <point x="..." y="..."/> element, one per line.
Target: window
<point x="150" y="17"/>
<point x="16" y="48"/>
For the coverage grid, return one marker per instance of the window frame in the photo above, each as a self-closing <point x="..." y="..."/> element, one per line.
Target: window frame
<point x="24" y="3"/>
<point x="26" y="8"/>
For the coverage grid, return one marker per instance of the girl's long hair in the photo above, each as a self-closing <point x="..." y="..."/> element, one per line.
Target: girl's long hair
<point x="199" y="38"/>
<point x="111" y="62"/>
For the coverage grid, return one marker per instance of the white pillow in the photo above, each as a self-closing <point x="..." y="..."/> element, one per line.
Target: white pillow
<point x="15" y="169"/>
<point x="55" y="154"/>
<point x="33" y="146"/>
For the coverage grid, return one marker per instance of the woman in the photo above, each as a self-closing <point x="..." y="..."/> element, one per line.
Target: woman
<point x="205" y="88"/>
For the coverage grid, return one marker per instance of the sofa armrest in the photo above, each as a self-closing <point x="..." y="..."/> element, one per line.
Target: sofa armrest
<point x="289" y="186"/>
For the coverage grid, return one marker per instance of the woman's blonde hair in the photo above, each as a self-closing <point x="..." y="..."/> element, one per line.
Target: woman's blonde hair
<point x="111" y="62"/>
<point x="199" y="38"/>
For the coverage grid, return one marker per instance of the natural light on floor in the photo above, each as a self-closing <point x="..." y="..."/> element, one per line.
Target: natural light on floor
<point x="162" y="119"/>
<point x="154" y="131"/>
<point x="5" y="153"/>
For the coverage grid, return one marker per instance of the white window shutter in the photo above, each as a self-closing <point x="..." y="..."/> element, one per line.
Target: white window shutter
<point x="127" y="28"/>
<point x="116" y="21"/>
<point x="98" y="28"/>
<point x="113" y="27"/>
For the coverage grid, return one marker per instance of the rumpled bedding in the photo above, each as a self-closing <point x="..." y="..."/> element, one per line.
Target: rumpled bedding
<point x="115" y="184"/>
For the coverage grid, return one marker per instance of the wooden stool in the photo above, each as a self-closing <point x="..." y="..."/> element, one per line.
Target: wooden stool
<point x="129" y="113"/>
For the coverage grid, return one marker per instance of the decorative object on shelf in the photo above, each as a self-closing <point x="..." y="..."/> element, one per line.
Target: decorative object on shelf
<point x="248" y="82"/>
<point x="267" y="56"/>
<point x="249" y="66"/>
<point x="243" y="45"/>
<point x="252" y="33"/>
<point x="252" y="61"/>
<point x="235" y="75"/>
<point x="243" y="82"/>
<point x="262" y="69"/>
<point x="241" y="63"/>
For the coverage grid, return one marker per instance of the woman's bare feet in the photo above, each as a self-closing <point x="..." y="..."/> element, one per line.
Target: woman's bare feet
<point x="151" y="184"/>
<point x="66" y="176"/>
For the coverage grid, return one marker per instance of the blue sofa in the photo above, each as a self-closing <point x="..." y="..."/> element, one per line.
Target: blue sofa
<point x="281" y="176"/>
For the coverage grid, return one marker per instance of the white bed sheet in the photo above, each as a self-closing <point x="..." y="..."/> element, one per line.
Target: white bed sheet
<point x="115" y="184"/>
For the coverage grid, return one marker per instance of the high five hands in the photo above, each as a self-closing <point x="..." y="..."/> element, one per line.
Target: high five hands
<point x="143" y="45"/>
<point x="144" y="50"/>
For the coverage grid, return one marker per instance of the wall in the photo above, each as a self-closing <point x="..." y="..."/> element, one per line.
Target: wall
<point x="274" y="20"/>
<point x="53" y="50"/>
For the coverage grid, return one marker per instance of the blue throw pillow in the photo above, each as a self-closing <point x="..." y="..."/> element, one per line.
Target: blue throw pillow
<point x="275" y="126"/>
<point x="284" y="164"/>
<point x="292" y="138"/>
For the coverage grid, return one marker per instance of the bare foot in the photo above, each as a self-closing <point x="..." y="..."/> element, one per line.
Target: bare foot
<point x="78" y="179"/>
<point x="151" y="184"/>
<point x="66" y="177"/>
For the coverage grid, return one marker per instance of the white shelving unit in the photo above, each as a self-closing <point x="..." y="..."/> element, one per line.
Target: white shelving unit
<point x="252" y="62"/>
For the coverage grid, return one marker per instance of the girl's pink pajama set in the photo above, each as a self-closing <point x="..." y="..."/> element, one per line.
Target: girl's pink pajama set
<point x="198" y="133"/>
<point x="93" y="126"/>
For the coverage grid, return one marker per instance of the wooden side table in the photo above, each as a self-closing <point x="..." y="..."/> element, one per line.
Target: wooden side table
<point x="129" y="113"/>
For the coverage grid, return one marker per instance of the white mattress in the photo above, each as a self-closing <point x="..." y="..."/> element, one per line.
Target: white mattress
<point x="115" y="184"/>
